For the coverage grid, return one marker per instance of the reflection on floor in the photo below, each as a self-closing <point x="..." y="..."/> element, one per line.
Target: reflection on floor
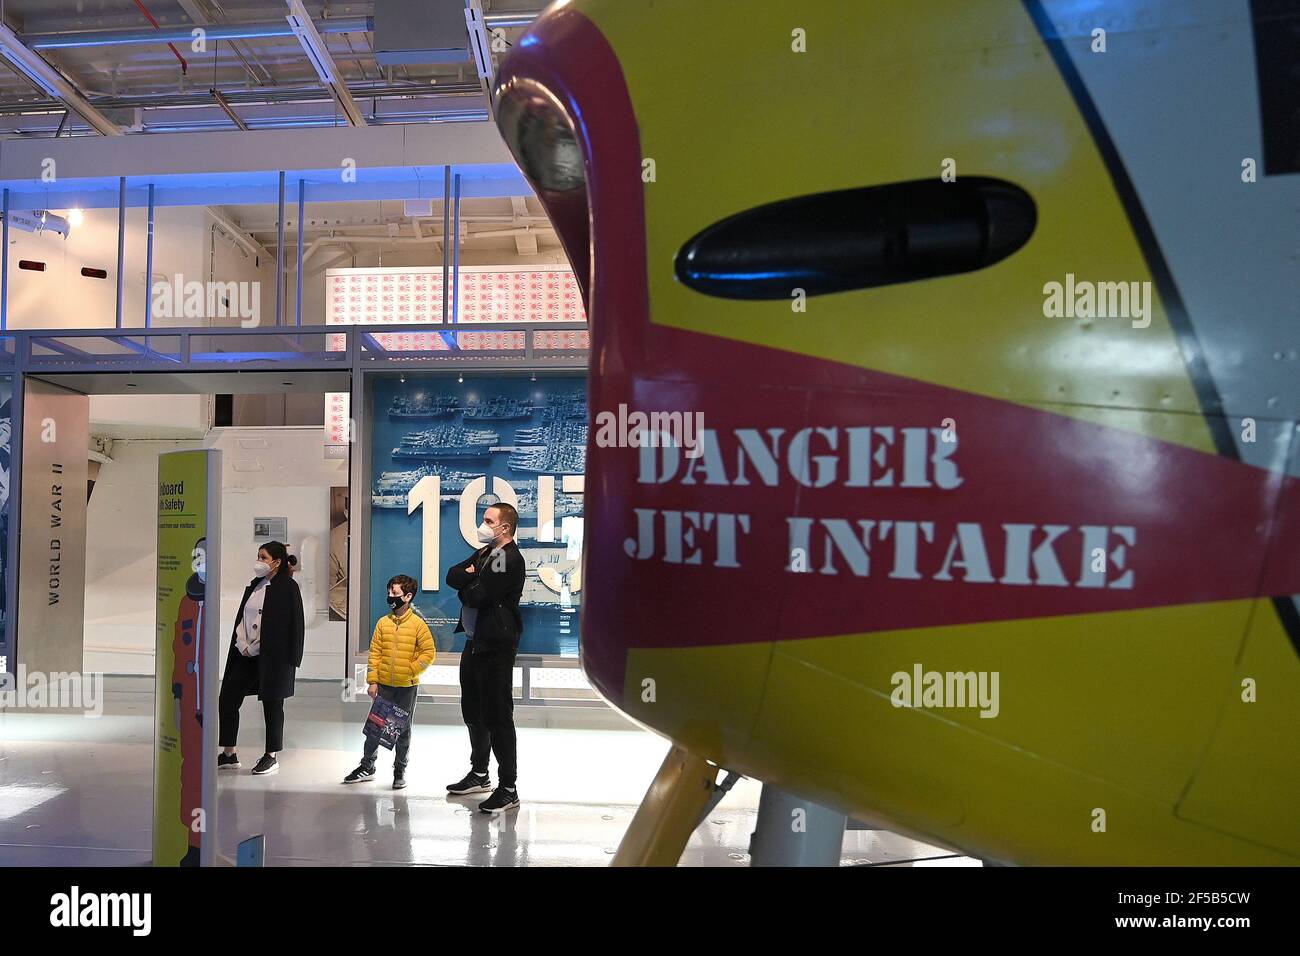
<point x="77" y="791"/>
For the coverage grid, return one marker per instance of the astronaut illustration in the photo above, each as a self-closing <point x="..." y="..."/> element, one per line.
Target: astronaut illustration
<point x="187" y="694"/>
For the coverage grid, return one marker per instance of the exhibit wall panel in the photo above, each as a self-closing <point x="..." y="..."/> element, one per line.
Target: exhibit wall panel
<point x="6" y="476"/>
<point x="227" y="261"/>
<point x="52" y="553"/>
<point x="144" y="416"/>
<point x="267" y="472"/>
<point x="59" y="296"/>
<point x="121" y="556"/>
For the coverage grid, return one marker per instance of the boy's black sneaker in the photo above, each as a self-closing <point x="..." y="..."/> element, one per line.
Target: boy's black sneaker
<point x="500" y="801"/>
<point x="267" y="764"/>
<point x="361" y="773"/>
<point x="399" y="779"/>
<point x="227" y="761"/>
<point x="473" y="783"/>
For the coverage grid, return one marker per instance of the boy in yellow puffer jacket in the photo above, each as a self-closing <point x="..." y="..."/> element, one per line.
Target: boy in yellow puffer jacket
<point x="400" y="649"/>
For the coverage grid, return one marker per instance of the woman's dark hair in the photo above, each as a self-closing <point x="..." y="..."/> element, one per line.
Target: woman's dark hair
<point x="276" y="550"/>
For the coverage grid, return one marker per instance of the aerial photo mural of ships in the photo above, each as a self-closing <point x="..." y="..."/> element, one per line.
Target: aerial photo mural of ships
<point x="532" y="436"/>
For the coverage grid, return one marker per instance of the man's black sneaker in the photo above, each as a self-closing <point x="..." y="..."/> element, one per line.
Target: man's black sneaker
<point x="361" y="773"/>
<point x="399" y="779"/>
<point x="500" y="801"/>
<point x="227" y="761"/>
<point x="267" y="764"/>
<point x="473" y="783"/>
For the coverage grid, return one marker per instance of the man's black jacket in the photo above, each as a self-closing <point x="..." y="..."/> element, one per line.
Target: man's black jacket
<point x="493" y="589"/>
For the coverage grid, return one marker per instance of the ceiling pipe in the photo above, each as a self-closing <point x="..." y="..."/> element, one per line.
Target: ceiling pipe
<point x="214" y="31"/>
<point x="322" y="61"/>
<point x="44" y="77"/>
<point x="331" y="263"/>
<point x="412" y="241"/>
<point x="200" y="16"/>
<point x="185" y="67"/>
<point x="237" y="232"/>
<point x="242" y="97"/>
<point x="328" y="226"/>
<point x="315" y="123"/>
<point x="220" y="123"/>
<point x="310" y="250"/>
<point x="230" y="31"/>
<point x="225" y="108"/>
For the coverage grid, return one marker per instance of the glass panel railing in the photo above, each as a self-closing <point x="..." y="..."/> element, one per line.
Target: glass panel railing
<point x="268" y="346"/>
<point x="105" y="350"/>
<point x="324" y="346"/>
<point x="455" y="343"/>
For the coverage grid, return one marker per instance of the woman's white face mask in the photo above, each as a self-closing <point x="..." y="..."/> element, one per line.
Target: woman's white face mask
<point x="261" y="569"/>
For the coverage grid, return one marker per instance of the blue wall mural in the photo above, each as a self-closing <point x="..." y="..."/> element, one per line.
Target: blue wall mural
<point x="530" y="434"/>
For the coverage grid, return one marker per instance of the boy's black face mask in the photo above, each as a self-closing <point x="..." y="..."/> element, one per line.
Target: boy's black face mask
<point x="396" y="602"/>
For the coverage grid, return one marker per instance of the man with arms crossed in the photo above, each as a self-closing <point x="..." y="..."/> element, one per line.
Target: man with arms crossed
<point x="490" y="582"/>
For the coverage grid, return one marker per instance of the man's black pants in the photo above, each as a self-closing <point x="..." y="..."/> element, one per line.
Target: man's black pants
<point x="487" y="705"/>
<point x="403" y="697"/>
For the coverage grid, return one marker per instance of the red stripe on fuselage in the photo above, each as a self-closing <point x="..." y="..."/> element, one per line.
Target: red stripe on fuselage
<point x="1199" y="522"/>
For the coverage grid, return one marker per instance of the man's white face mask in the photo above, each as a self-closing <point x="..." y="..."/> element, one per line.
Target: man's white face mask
<point x="485" y="534"/>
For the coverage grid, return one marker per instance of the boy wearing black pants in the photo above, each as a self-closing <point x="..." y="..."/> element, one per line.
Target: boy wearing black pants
<point x="490" y="583"/>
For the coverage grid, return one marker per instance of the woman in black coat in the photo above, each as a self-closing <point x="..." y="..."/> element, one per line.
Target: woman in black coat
<point x="265" y="650"/>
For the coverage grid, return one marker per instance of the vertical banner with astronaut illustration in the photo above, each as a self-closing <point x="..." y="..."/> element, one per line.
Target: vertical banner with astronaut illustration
<point x="185" y="661"/>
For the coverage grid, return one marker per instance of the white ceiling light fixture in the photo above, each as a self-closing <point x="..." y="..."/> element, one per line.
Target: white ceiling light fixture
<point x="38" y="221"/>
<point x="481" y="51"/>
<point x="322" y="62"/>
<point x="50" y="81"/>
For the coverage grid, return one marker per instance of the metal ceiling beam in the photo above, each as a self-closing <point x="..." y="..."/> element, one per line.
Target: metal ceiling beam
<point x="200" y="16"/>
<point x="225" y="108"/>
<point x="331" y="263"/>
<point x="212" y="120"/>
<point x="228" y="31"/>
<point x="242" y="97"/>
<point x="46" y="78"/>
<point x="480" y="49"/>
<point x="184" y="34"/>
<point x="318" y="54"/>
<point x="525" y="242"/>
<point x="327" y="224"/>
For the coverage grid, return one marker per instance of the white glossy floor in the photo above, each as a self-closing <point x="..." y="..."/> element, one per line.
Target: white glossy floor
<point x="76" y="791"/>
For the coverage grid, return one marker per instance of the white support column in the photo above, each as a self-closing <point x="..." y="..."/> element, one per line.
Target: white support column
<point x="791" y="831"/>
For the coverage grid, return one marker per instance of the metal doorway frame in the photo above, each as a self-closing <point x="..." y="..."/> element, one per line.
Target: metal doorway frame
<point x="179" y="351"/>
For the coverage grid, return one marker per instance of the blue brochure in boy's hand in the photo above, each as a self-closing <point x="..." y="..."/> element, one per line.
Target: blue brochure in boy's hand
<point x="386" y="722"/>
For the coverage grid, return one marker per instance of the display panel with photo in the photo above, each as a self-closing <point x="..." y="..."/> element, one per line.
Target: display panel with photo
<point x="487" y="439"/>
<point x="339" y="554"/>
